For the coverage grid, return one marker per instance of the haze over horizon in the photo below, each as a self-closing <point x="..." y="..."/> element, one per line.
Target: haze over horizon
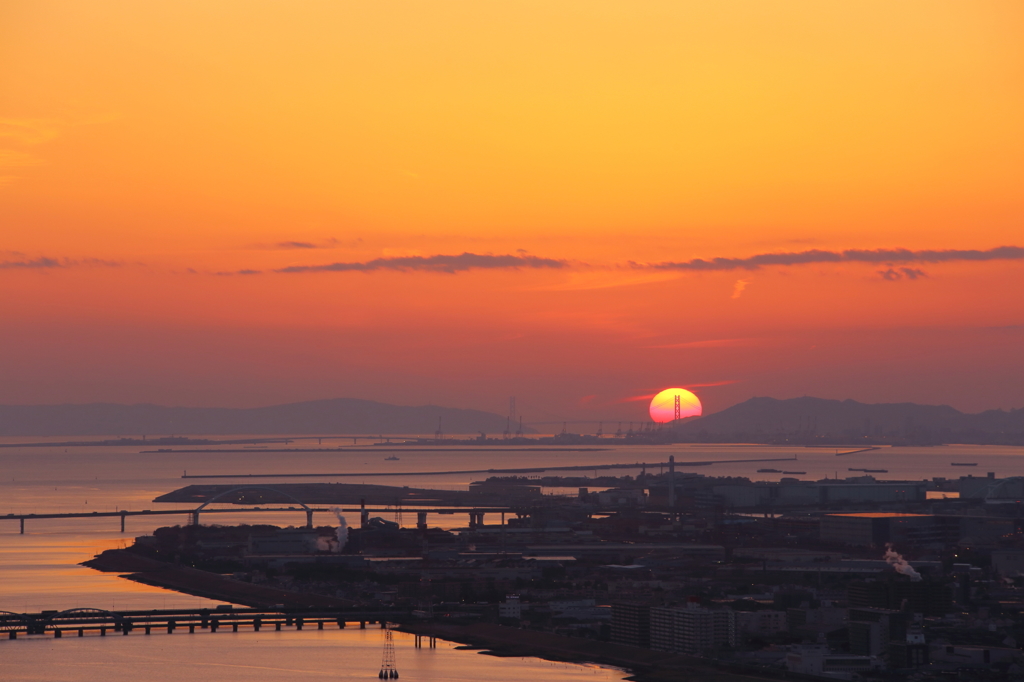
<point x="577" y="203"/>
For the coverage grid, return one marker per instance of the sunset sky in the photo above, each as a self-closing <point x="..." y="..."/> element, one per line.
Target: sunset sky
<point x="578" y="203"/>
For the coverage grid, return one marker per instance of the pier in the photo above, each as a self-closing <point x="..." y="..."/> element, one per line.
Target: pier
<point x="79" y="622"/>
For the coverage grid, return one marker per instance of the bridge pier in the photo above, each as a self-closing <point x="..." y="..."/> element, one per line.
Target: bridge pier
<point x="191" y="629"/>
<point x="309" y="518"/>
<point x="57" y="634"/>
<point x="12" y="635"/>
<point x="421" y="520"/>
<point x="81" y="632"/>
<point x="122" y="521"/>
<point x="234" y="627"/>
<point x="22" y="526"/>
<point x="277" y="626"/>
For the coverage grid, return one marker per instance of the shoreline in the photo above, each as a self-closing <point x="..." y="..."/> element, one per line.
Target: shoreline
<point x="199" y="583"/>
<point x="642" y="665"/>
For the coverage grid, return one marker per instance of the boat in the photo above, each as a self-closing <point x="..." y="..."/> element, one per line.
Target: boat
<point x="875" y="471"/>
<point x="852" y="469"/>
<point x="963" y="464"/>
<point x="796" y="473"/>
<point x="392" y="458"/>
<point x="768" y="471"/>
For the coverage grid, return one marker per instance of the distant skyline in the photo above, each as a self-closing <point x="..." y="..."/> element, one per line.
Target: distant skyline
<point x="576" y="203"/>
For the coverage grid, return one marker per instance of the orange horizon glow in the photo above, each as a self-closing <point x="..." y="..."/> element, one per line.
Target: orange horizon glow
<point x="241" y="204"/>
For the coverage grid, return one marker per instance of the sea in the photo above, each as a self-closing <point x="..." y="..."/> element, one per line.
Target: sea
<point x="39" y="570"/>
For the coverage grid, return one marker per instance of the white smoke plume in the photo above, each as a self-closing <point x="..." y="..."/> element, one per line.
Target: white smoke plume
<point x="900" y="564"/>
<point x="342" y="529"/>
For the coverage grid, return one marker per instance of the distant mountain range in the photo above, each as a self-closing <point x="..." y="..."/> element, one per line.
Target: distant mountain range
<point x="805" y="419"/>
<point x="317" y="417"/>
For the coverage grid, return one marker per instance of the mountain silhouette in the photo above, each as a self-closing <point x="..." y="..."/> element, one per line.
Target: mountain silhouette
<point x="807" y="417"/>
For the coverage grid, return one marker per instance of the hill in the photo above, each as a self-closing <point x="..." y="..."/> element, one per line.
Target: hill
<point x="811" y="419"/>
<point x="337" y="416"/>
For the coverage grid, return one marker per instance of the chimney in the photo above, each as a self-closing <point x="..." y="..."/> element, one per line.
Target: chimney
<point x="672" y="481"/>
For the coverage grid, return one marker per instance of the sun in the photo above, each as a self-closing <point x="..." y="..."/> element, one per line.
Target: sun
<point x="663" y="407"/>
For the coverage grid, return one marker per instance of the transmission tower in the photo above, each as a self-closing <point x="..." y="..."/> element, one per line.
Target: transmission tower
<point x="388" y="668"/>
<point x="519" y="431"/>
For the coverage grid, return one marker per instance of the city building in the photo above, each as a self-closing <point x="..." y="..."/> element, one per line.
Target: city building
<point x="631" y="623"/>
<point x="691" y="629"/>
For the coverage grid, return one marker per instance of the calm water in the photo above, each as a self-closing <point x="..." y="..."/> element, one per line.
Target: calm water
<point x="39" y="570"/>
<point x="349" y="654"/>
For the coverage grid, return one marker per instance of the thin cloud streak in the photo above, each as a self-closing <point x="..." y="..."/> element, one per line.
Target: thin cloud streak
<point x="709" y="343"/>
<point x="46" y="263"/>
<point x="449" y="264"/>
<point x="894" y="275"/>
<point x="848" y="256"/>
<point x="650" y="396"/>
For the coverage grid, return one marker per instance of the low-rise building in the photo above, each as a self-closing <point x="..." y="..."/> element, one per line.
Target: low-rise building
<point x="820" y="661"/>
<point x="765" y="622"/>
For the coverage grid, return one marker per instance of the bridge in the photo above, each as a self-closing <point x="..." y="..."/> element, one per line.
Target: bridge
<point x="476" y="514"/>
<point x="101" y="621"/>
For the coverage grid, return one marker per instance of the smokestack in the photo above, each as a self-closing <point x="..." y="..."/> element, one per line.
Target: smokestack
<point x="672" y="481"/>
<point x="364" y="516"/>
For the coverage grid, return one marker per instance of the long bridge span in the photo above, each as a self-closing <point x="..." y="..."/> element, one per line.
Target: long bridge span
<point x="475" y="513"/>
<point x="100" y="621"/>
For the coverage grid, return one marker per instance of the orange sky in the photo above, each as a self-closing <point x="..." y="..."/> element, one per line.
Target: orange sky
<point x="150" y="153"/>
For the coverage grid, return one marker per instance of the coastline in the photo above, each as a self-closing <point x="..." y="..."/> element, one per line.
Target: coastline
<point x="644" y="665"/>
<point x="205" y="584"/>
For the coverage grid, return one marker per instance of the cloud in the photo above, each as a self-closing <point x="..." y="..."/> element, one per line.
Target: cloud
<point x="46" y="263"/>
<point x="587" y="281"/>
<point x="848" y="256"/>
<point x="710" y="343"/>
<point x="440" y="263"/>
<point x="893" y="274"/>
<point x="737" y="289"/>
<point x="231" y="273"/>
<point x="29" y="130"/>
<point x="10" y="158"/>
<point x="637" y="398"/>
<point x="302" y="245"/>
<point x="712" y="384"/>
<point x="33" y="264"/>
<point x="650" y="396"/>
